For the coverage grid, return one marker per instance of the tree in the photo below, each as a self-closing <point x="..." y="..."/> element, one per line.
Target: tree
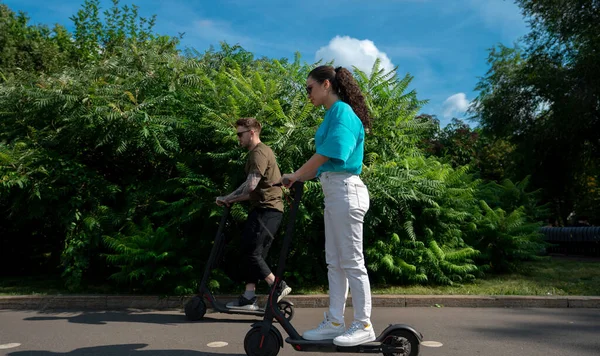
<point x="543" y="97"/>
<point x="29" y="48"/>
<point x="460" y="145"/>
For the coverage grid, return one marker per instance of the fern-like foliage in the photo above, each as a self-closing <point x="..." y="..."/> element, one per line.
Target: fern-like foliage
<point x="506" y="239"/>
<point x="117" y="159"/>
<point x="149" y="259"/>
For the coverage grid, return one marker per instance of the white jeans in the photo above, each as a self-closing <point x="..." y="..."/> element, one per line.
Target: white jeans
<point x="346" y="203"/>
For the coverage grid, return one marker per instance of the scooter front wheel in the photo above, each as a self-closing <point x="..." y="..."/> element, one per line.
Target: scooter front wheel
<point x="256" y="345"/>
<point x="287" y="309"/>
<point x="404" y="339"/>
<point x="195" y="308"/>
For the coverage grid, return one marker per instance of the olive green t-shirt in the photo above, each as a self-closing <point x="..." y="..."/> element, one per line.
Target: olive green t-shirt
<point x="262" y="160"/>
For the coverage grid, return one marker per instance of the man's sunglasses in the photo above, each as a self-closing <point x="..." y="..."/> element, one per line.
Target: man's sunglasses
<point x="239" y="134"/>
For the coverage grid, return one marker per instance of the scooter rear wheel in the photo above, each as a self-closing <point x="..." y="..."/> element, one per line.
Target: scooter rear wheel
<point x="404" y="338"/>
<point x="254" y="345"/>
<point x="287" y="309"/>
<point x="195" y="308"/>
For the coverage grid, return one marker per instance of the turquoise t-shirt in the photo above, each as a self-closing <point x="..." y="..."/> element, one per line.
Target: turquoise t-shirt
<point x="341" y="137"/>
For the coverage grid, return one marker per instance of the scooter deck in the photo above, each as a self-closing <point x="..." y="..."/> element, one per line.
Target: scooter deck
<point x="329" y="346"/>
<point x="224" y="309"/>
<point x="220" y="307"/>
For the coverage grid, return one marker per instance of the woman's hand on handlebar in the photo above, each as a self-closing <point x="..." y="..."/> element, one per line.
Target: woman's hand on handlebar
<point x="288" y="179"/>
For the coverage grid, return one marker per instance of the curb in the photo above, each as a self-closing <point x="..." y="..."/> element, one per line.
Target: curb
<point x="119" y="302"/>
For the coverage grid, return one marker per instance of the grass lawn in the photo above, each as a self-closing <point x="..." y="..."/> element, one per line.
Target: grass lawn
<point x="555" y="276"/>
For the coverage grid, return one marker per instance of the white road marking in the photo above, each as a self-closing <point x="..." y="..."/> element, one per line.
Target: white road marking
<point x="431" y="344"/>
<point x="9" y="346"/>
<point x="217" y="344"/>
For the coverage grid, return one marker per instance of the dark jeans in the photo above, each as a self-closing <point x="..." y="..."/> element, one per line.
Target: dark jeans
<point x="256" y="241"/>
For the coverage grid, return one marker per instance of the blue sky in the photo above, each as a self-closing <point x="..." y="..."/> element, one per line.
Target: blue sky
<point x="442" y="43"/>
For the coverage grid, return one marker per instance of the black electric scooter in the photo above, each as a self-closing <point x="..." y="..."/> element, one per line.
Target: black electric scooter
<point x="195" y="308"/>
<point x="264" y="338"/>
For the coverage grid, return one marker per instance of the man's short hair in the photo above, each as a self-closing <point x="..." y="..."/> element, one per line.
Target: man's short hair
<point x="250" y="123"/>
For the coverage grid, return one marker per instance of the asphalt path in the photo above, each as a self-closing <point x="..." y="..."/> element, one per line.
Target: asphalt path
<point x="447" y="331"/>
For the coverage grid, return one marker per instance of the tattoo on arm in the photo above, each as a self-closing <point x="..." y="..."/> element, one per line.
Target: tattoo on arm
<point x="252" y="180"/>
<point x="244" y="190"/>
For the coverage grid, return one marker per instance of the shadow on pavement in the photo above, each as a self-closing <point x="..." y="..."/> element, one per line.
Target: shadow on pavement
<point x="101" y="318"/>
<point x="569" y="336"/>
<point x="120" y="350"/>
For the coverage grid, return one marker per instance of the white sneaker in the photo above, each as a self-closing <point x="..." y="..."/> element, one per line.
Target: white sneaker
<point x="325" y="331"/>
<point x="356" y="334"/>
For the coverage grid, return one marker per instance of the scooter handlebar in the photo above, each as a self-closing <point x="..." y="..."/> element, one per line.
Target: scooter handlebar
<point x="285" y="181"/>
<point x="296" y="187"/>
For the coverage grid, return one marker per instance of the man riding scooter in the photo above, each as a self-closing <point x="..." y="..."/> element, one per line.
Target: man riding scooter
<point x="265" y="215"/>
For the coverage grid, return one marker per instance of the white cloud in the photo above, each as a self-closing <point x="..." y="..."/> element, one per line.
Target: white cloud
<point x="455" y="104"/>
<point x="347" y="52"/>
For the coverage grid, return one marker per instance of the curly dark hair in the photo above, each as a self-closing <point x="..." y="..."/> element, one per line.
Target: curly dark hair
<point x="346" y="87"/>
